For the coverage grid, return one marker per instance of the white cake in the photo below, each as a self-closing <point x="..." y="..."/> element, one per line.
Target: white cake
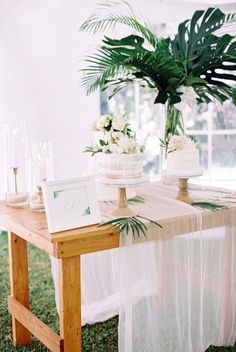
<point x="115" y="149"/>
<point x="120" y="166"/>
<point x="183" y="156"/>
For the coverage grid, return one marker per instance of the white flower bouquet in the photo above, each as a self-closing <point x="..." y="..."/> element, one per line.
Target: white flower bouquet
<point x="116" y="137"/>
<point x="178" y="142"/>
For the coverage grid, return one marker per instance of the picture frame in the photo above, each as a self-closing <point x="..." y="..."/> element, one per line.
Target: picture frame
<point x="71" y="203"/>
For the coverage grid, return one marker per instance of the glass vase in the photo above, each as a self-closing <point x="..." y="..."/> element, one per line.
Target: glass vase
<point x="40" y="170"/>
<point x="173" y="124"/>
<point x="15" y="151"/>
<point x="4" y="130"/>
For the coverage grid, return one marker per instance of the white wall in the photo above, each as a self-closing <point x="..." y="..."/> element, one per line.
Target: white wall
<point x="40" y="49"/>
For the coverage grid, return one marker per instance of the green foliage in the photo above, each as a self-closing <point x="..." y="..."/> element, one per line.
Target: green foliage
<point x="209" y="206"/>
<point x="133" y="224"/>
<point x="136" y="200"/>
<point x="196" y="56"/>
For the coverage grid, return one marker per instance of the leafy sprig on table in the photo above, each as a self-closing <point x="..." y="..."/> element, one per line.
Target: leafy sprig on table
<point x="133" y="224"/>
<point x="209" y="206"/>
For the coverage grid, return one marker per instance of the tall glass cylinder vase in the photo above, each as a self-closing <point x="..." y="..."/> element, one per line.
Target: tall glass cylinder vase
<point x="4" y="130"/>
<point x="40" y="170"/>
<point x="173" y="124"/>
<point x="15" y="150"/>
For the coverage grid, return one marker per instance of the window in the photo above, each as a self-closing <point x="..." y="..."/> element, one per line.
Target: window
<point x="213" y="126"/>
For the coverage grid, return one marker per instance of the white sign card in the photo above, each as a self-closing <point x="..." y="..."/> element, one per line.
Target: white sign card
<point x="71" y="203"/>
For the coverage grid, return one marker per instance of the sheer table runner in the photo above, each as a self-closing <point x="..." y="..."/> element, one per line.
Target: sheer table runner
<point x="175" y="291"/>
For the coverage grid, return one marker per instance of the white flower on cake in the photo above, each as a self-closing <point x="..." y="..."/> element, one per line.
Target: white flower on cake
<point x="103" y="122"/>
<point x="115" y="137"/>
<point x="113" y="148"/>
<point x="118" y="123"/>
<point x="183" y="156"/>
<point x="119" y="154"/>
<point x="181" y="143"/>
<point x="188" y="98"/>
<point x="127" y="145"/>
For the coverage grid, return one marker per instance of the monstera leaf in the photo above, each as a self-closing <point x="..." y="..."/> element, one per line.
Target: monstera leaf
<point x="205" y="54"/>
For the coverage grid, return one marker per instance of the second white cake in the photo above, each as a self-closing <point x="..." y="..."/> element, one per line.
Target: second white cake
<point x="183" y="155"/>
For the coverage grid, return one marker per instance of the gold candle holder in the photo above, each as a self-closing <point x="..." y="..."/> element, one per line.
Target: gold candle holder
<point x="15" y="171"/>
<point x="16" y="198"/>
<point x="36" y="202"/>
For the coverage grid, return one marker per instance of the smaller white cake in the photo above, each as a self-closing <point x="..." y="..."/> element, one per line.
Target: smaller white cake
<point x="120" y="166"/>
<point x="183" y="156"/>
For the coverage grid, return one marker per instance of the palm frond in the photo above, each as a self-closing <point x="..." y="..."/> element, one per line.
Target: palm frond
<point x="132" y="224"/>
<point x="136" y="200"/>
<point x="120" y="62"/>
<point x="209" y="206"/>
<point x="117" y="12"/>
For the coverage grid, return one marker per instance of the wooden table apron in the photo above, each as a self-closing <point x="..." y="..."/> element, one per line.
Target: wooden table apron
<point x="25" y="226"/>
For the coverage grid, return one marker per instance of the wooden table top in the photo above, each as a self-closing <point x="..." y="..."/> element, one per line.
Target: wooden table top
<point x="173" y="216"/>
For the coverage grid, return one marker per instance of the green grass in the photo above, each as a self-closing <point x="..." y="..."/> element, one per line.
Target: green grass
<point x="101" y="337"/>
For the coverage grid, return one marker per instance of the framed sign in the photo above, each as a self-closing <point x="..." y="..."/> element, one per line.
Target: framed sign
<point x="71" y="203"/>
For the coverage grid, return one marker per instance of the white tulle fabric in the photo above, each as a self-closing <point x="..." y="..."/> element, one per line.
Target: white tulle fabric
<point x="173" y="294"/>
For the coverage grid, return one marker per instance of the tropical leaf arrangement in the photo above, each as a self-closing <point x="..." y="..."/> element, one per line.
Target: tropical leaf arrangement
<point x="196" y="66"/>
<point x="131" y="224"/>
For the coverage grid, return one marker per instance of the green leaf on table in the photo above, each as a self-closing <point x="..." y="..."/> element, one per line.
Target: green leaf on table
<point x="209" y="206"/>
<point x="132" y="223"/>
<point x="136" y="200"/>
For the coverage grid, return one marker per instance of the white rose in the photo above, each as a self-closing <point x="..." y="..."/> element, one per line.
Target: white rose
<point x="113" y="148"/>
<point x="127" y="144"/>
<point x="120" y="150"/>
<point x="118" y="123"/>
<point x="103" y="122"/>
<point x="181" y="143"/>
<point x="188" y="98"/>
<point x="116" y="135"/>
<point x="105" y="149"/>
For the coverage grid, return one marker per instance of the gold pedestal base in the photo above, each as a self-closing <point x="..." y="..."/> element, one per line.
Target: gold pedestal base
<point x="183" y="194"/>
<point x="123" y="209"/>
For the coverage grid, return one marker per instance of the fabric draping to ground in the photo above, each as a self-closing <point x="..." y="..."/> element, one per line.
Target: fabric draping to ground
<point x="175" y="293"/>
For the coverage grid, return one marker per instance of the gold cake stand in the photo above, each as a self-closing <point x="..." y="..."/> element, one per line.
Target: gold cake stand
<point x="183" y="191"/>
<point x="123" y="209"/>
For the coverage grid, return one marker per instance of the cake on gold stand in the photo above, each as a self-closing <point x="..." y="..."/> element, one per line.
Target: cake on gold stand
<point x="123" y="209"/>
<point x="183" y="193"/>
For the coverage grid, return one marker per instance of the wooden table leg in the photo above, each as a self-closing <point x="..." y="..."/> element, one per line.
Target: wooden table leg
<point x="70" y="304"/>
<point x="19" y="283"/>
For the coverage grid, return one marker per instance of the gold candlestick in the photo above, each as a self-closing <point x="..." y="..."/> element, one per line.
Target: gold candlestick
<point x="36" y="201"/>
<point x="15" y="171"/>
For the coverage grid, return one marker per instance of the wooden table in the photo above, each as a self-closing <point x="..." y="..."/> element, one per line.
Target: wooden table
<point x="25" y="226"/>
